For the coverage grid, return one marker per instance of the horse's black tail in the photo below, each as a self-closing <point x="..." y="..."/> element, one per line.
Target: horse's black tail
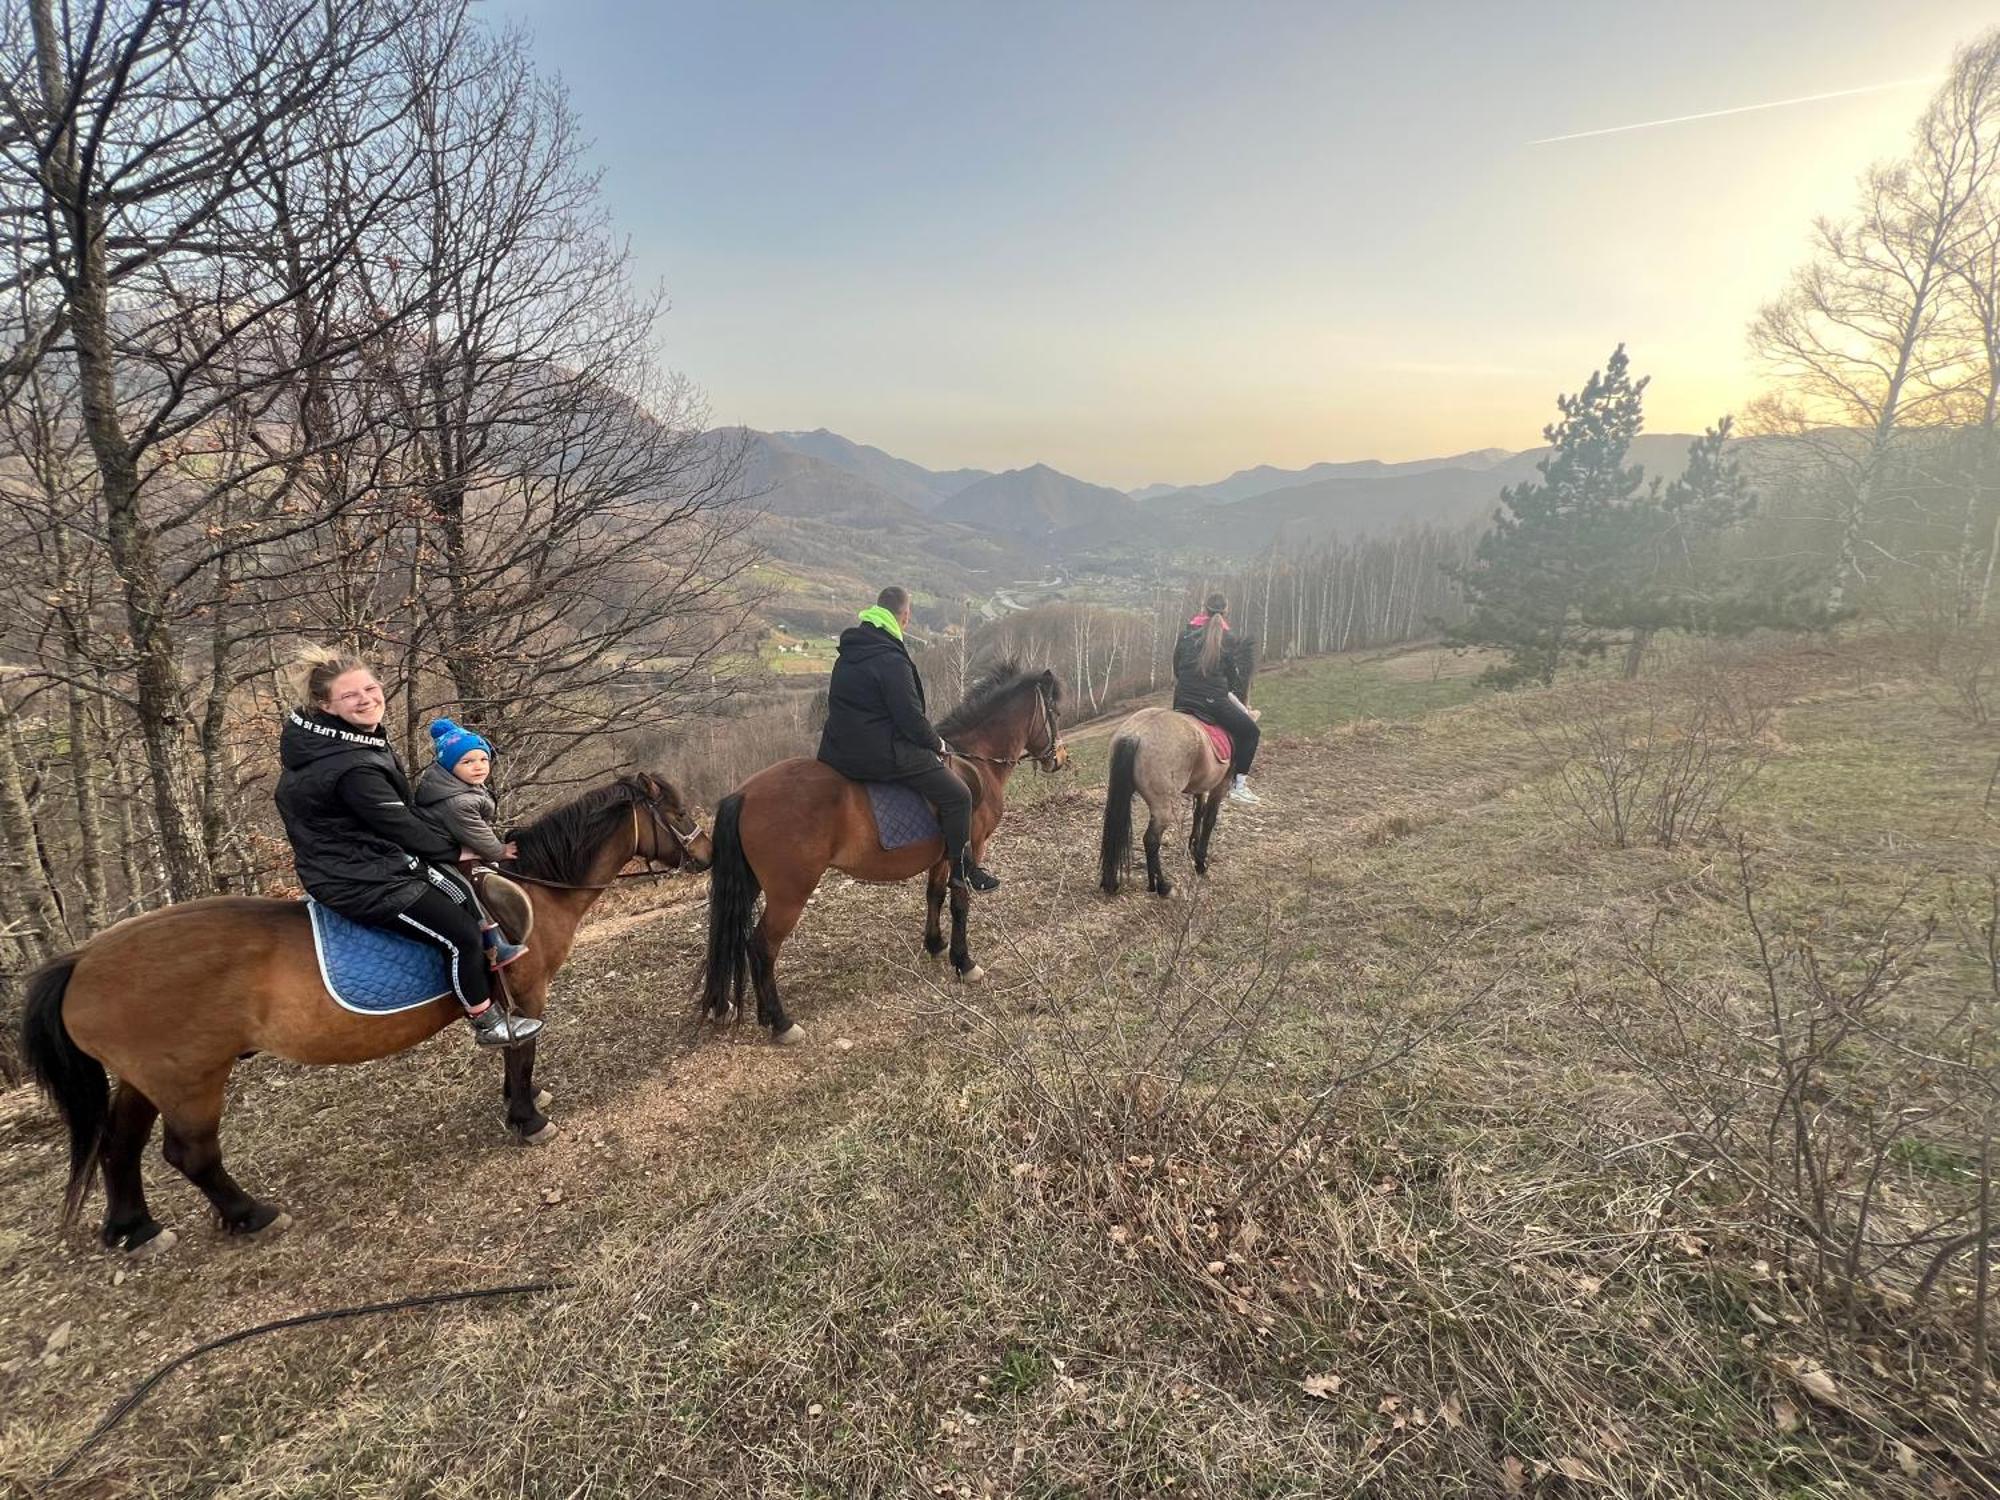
<point x="732" y="912"/>
<point x="74" y="1080"/>
<point x="1116" y="850"/>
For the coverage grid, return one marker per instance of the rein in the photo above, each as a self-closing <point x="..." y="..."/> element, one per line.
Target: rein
<point x="1042" y="757"/>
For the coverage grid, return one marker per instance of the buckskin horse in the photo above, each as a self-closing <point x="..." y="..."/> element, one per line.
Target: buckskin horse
<point x="1162" y="755"/>
<point x="170" y="1000"/>
<point x="785" y="827"/>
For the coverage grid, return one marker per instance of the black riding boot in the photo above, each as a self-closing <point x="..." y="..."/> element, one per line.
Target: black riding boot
<point x="964" y="872"/>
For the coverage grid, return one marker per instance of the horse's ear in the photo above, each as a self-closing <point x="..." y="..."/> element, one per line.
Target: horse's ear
<point x="1051" y="684"/>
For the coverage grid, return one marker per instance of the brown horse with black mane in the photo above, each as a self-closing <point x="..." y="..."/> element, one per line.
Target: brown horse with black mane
<point x="172" y="999"/>
<point x="785" y="827"/>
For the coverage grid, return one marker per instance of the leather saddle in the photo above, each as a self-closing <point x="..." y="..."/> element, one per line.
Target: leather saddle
<point x="505" y="902"/>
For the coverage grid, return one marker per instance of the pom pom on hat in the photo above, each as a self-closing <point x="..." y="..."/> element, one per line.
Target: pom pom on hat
<point x="453" y="742"/>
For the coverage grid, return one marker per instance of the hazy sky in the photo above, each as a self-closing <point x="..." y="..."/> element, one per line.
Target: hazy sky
<point x="1160" y="241"/>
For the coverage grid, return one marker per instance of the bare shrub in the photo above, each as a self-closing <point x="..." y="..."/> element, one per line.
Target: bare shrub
<point x="1177" y="1053"/>
<point x="1658" y="765"/>
<point x="1849" y="1114"/>
<point x="1967" y="675"/>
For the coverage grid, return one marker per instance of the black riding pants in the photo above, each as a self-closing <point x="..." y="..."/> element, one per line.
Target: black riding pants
<point x="953" y="800"/>
<point x="444" y="915"/>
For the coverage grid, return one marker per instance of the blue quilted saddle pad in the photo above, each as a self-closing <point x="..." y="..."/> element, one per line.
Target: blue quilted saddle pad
<point x="902" y="817"/>
<point x="375" y="972"/>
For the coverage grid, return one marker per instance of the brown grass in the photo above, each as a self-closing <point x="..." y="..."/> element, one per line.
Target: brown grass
<point x="1138" y="1218"/>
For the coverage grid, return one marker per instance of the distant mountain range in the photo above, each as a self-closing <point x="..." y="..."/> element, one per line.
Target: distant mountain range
<point x="836" y="505"/>
<point x="1039" y="504"/>
<point x="912" y="483"/>
<point x="1263" y="479"/>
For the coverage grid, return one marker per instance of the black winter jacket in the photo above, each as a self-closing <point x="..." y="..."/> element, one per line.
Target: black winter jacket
<point x="875" y="724"/>
<point x="357" y="842"/>
<point x="1195" y="690"/>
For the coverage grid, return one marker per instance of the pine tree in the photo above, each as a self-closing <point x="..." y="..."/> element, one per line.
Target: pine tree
<point x="1546" y="574"/>
<point x="1665" y="570"/>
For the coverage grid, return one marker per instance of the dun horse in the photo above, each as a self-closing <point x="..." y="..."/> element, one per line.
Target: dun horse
<point x="789" y="824"/>
<point x="170" y="1000"/>
<point x="1163" y="756"/>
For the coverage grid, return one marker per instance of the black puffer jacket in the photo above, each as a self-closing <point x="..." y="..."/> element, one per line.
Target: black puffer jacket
<point x="356" y="840"/>
<point x="1195" y="690"/>
<point x="875" y="724"/>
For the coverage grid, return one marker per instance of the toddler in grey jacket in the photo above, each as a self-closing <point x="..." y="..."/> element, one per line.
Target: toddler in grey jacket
<point x="452" y="794"/>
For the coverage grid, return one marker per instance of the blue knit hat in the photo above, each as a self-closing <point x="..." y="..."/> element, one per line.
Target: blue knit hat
<point x="453" y="741"/>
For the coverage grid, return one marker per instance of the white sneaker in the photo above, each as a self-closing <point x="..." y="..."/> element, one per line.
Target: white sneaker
<point x="1241" y="793"/>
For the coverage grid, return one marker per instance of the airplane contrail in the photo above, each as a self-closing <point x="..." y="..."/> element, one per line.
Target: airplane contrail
<point x="1741" y="109"/>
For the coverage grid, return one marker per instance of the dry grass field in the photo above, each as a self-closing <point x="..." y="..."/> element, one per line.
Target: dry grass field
<point x="1437" y="1145"/>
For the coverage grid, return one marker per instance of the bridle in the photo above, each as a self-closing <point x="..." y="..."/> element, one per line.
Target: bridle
<point x="1045" y="758"/>
<point x="653" y="870"/>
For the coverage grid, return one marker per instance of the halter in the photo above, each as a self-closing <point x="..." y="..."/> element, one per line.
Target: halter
<point x="1045" y="757"/>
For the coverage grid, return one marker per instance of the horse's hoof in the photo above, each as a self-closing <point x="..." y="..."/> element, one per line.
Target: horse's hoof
<point x="791" y="1036"/>
<point x="727" y="1015"/>
<point x="543" y="1098"/>
<point x="278" y="1223"/>
<point x="540" y="1137"/>
<point x="973" y="975"/>
<point x="159" y="1244"/>
<point x="1163" y="890"/>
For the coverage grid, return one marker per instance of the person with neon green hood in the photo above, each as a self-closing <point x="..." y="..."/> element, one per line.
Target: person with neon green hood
<point x="877" y="730"/>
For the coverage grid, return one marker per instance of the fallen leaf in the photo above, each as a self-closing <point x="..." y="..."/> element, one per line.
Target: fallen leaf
<point x="1388" y="1403"/>
<point x="1590" y="1286"/>
<point x="1513" y="1476"/>
<point x="1321" y="1387"/>
<point x="1785" y="1415"/>
<point x="58" y="1340"/>
<point x="1576" y="1469"/>
<point x="1814" y="1381"/>
<point x="1906" y="1459"/>
<point x="1448" y="1410"/>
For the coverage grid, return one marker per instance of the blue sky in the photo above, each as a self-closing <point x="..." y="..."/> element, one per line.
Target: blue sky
<point x="1163" y="241"/>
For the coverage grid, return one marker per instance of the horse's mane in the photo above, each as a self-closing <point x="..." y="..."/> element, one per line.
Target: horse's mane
<point x="560" y="844"/>
<point x="987" y="692"/>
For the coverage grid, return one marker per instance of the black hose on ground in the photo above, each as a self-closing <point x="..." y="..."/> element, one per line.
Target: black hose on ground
<point x="425" y="1299"/>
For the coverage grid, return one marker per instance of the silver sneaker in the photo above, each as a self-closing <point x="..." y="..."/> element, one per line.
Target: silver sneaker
<point x="1241" y="793"/>
<point x="493" y="1027"/>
